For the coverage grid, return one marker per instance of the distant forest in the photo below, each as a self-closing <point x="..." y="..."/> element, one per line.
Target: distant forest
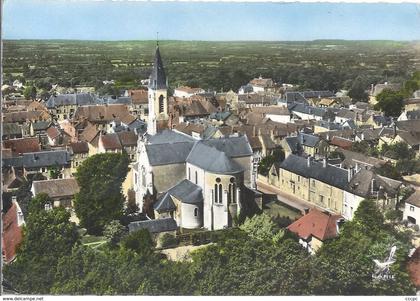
<point x="221" y="66"/>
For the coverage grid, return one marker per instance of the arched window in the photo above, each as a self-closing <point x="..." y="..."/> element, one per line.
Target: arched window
<point x="189" y="173"/>
<point x="161" y="104"/>
<point x="232" y="190"/>
<point x="196" y="177"/>
<point x="195" y="211"/>
<point x="218" y="192"/>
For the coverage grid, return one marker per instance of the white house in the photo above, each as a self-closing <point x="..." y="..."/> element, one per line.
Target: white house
<point x="412" y="208"/>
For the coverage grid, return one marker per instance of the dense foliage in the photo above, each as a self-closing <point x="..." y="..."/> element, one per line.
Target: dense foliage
<point x="48" y="236"/>
<point x="319" y="65"/>
<point x="249" y="262"/>
<point x="100" y="199"/>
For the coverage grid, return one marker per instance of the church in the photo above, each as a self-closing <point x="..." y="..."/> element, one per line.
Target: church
<point x="198" y="183"/>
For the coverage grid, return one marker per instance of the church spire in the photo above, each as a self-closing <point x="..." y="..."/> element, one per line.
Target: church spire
<point x="157" y="79"/>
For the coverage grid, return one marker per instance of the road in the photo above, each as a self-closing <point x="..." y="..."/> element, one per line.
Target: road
<point x="287" y="199"/>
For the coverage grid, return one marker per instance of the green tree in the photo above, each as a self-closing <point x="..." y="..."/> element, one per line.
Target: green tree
<point x="100" y="199"/>
<point x="114" y="232"/>
<point x="345" y="266"/>
<point x="260" y="226"/>
<point x="390" y="102"/>
<point x="48" y="235"/>
<point x="357" y="90"/>
<point x="29" y="92"/>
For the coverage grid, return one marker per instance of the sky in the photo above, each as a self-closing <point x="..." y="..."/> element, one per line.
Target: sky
<point x="131" y="20"/>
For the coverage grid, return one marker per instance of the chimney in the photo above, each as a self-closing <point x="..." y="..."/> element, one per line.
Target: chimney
<point x="305" y="211"/>
<point x="308" y="161"/>
<point x="350" y="173"/>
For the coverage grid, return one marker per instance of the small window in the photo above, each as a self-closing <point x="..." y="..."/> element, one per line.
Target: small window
<point x="196" y="177"/>
<point x="161" y="104"/>
<point x="411" y="208"/>
<point x="218" y="180"/>
<point x="195" y="211"/>
<point x="189" y="173"/>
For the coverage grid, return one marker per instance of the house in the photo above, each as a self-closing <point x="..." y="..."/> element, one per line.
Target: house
<point x="61" y="191"/>
<point x="109" y="143"/>
<point x="41" y="162"/>
<point x="412" y="208"/>
<point x="302" y="111"/>
<point x="274" y="113"/>
<point x="246" y="89"/>
<point x="262" y="84"/>
<point x="255" y="100"/>
<point x="103" y="115"/>
<point x="22" y="145"/>
<point x="12" y="234"/>
<point x="11" y="131"/>
<point x="64" y="106"/>
<point x="327" y="102"/>
<point x="315" y="227"/>
<point x="79" y="151"/>
<point x="412" y="104"/>
<point x="378" y="88"/>
<point x="128" y="140"/>
<point x="186" y="91"/>
<point x="305" y="143"/>
<point x="332" y="188"/>
<point x="139" y="103"/>
<point x="339" y="142"/>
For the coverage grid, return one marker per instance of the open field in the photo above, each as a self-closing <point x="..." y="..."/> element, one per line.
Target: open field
<point x="322" y="64"/>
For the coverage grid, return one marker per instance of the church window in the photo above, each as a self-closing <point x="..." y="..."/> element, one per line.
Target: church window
<point x="220" y="194"/>
<point x="196" y="177"/>
<point x="161" y="104"/>
<point x="195" y="211"/>
<point x="189" y="173"/>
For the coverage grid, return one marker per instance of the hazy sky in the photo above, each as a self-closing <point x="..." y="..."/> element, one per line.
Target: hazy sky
<point x="128" y="20"/>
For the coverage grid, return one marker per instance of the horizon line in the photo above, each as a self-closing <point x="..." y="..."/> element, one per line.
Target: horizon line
<point x="193" y="40"/>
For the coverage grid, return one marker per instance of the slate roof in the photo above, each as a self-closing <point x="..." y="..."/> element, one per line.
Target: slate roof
<point x="308" y="140"/>
<point x="56" y="188"/>
<point x="352" y="157"/>
<point x="247" y="88"/>
<point x="414" y="199"/>
<point x="413" y="114"/>
<point x="40" y="125"/>
<point x="187" y="192"/>
<point x="170" y="153"/>
<point x="232" y="146"/>
<point x="301" y="108"/>
<point x="154" y="225"/>
<point x="211" y="159"/>
<point x="164" y="204"/>
<point x="316" y="223"/>
<point x="157" y="79"/>
<point x="330" y="175"/>
<point x="45" y="159"/>
<point x="293" y="143"/>
<point x="79" y="99"/>
<point x="12" y="129"/>
<point x="168" y="136"/>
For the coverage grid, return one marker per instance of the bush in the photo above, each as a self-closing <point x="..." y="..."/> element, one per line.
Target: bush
<point x="393" y="215"/>
<point x="139" y="241"/>
<point x="168" y="240"/>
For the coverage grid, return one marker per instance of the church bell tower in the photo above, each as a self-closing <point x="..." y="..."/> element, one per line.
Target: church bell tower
<point x="157" y="96"/>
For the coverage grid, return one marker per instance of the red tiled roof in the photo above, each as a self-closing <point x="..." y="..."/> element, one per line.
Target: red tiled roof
<point x="316" y="223"/>
<point x="110" y="141"/>
<point x="341" y="142"/>
<point x="414" y="268"/>
<point x="12" y="233"/>
<point x="53" y="132"/>
<point x="22" y="145"/>
<point x="79" y="147"/>
<point x="138" y="96"/>
<point x="128" y="138"/>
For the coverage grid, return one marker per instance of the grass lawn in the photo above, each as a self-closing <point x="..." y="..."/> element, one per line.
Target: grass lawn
<point x="276" y="208"/>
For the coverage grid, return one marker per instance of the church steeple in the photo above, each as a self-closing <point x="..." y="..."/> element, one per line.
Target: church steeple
<point x="157" y="78"/>
<point x="158" y="96"/>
